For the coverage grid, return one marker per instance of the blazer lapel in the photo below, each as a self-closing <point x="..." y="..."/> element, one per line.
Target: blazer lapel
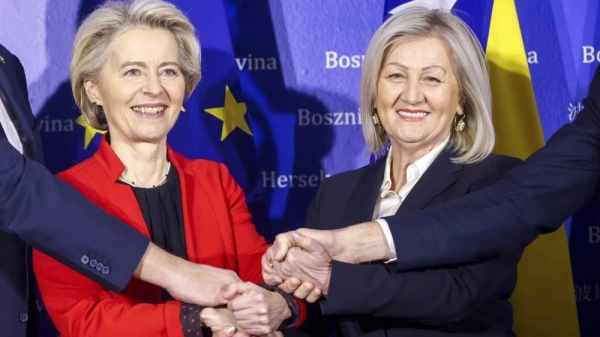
<point x="127" y="207"/>
<point x="186" y="181"/>
<point x="6" y="86"/>
<point x="209" y="236"/>
<point x="440" y="175"/>
<point x="15" y="100"/>
<point x="18" y="109"/>
<point x="361" y="203"/>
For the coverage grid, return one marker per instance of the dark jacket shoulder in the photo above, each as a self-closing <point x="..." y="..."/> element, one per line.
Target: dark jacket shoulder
<point x="489" y="170"/>
<point x="347" y="180"/>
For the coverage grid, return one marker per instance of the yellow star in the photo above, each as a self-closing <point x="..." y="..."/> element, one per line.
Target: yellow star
<point x="232" y="115"/>
<point x="90" y="132"/>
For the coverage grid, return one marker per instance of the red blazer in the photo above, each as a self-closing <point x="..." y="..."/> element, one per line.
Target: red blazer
<point x="218" y="232"/>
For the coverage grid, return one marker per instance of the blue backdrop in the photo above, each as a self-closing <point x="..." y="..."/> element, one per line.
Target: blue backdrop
<point x="296" y="65"/>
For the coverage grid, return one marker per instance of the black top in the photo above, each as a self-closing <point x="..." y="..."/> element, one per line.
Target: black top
<point x="162" y="209"/>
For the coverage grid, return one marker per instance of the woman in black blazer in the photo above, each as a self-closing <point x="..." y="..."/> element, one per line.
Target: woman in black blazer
<point x="426" y="110"/>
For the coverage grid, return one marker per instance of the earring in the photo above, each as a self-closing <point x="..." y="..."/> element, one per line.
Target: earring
<point x="375" y="117"/>
<point x="460" y="125"/>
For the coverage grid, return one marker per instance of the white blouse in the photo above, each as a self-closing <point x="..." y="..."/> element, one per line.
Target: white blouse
<point x="388" y="201"/>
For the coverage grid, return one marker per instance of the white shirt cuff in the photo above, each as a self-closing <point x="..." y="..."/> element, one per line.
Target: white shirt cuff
<point x="388" y="236"/>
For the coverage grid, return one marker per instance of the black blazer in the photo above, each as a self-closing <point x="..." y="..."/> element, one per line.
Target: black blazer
<point x="536" y="197"/>
<point x="45" y="212"/>
<point x="377" y="299"/>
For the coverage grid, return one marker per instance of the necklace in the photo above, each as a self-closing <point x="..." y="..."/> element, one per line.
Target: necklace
<point x="162" y="182"/>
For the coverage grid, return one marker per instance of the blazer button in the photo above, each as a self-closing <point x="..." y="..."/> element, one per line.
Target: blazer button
<point x="99" y="267"/>
<point x="23" y="317"/>
<point x="105" y="270"/>
<point x="93" y="263"/>
<point x="85" y="259"/>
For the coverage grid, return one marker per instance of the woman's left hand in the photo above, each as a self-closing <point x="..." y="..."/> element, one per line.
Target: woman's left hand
<point x="257" y="310"/>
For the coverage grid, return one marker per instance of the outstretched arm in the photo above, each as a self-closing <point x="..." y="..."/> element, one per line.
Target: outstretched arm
<point x="51" y="216"/>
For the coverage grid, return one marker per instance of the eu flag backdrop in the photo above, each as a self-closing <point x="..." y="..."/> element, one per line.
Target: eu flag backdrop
<point x="217" y="124"/>
<point x="544" y="301"/>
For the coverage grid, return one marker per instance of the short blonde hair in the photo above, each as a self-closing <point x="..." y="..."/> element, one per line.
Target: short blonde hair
<point x="99" y="29"/>
<point x="477" y="139"/>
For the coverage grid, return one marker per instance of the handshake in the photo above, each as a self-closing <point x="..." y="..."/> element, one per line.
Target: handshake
<point x="299" y="263"/>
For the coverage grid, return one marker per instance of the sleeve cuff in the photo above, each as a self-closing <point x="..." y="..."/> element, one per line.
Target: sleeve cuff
<point x="191" y="324"/>
<point x="297" y="308"/>
<point x="385" y="228"/>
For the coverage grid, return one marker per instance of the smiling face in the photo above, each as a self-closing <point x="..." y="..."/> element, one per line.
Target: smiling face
<point x="141" y="88"/>
<point x="418" y="93"/>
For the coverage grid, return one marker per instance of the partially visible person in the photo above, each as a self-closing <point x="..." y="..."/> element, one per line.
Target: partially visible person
<point x="426" y="105"/>
<point x="39" y="210"/>
<point x="133" y="65"/>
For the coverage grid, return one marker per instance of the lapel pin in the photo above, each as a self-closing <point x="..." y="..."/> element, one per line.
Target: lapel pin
<point x="2" y="59"/>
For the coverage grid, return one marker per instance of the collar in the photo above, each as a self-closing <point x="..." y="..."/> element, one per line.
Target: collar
<point x="110" y="162"/>
<point x="414" y="171"/>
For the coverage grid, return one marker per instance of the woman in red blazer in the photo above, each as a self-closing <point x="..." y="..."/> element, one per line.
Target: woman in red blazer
<point x="133" y="65"/>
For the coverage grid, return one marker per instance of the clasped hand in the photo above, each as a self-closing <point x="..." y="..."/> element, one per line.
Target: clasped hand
<point x="296" y="262"/>
<point x="251" y="310"/>
<point x="299" y="264"/>
<point x="232" y="308"/>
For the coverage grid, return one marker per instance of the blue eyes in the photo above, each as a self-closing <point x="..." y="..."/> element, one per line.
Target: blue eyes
<point x="170" y="72"/>
<point x="137" y="72"/>
<point x="132" y="72"/>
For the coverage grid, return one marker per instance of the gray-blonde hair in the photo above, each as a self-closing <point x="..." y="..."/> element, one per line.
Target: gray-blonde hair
<point x="477" y="139"/>
<point x="99" y="29"/>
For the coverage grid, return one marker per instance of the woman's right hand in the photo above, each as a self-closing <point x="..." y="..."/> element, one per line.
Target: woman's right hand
<point x="221" y="322"/>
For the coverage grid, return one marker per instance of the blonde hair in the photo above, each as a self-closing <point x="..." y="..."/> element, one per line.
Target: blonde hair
<point x="477" y="139"/>
<point x="99" y="29"/>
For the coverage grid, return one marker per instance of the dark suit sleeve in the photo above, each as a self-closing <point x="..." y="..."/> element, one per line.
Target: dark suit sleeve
<point x="431" y="297"/>
<point x="534" y="198"/>
<point x="312" y="215"/>
<point x="315" y="324"/>
<point x="51" y="216"/>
